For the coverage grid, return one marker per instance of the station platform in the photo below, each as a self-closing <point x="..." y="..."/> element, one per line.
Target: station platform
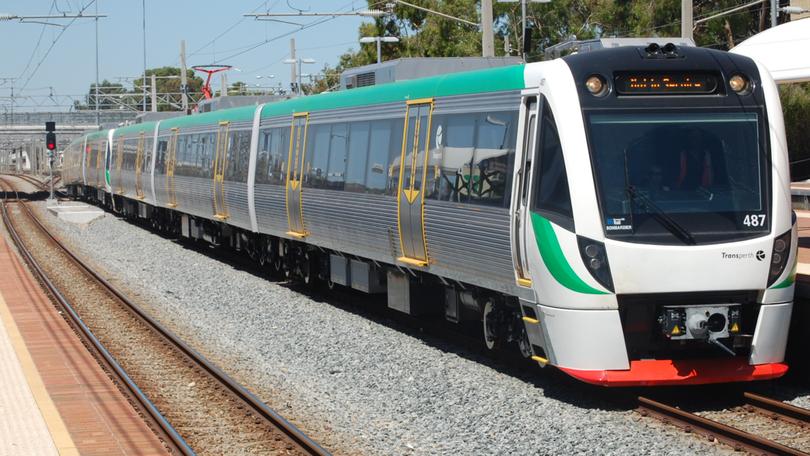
<point x="54" y="397"/>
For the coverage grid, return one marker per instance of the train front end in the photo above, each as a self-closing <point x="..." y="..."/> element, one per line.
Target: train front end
<point x="674" y="261"/>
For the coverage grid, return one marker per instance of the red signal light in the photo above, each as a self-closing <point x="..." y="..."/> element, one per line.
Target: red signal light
<point x="50" y="141"/>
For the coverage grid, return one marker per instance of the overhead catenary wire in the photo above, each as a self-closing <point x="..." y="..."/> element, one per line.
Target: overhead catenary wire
<point x="39" y="41"/>
<point x="53" y="44"/>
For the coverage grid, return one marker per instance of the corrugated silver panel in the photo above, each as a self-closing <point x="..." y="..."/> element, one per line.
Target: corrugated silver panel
<point x="470" y="242"/>
<point x="237" y="205"/>
<point x="355" y="223"/>
<point x="208" y="128"/>
<point x="194" y="196"/>
<point x="374" y="112"/>
<point x="271" y="212"/>
<point x="160" y="189"/>
<point x="272" y="122"/>
<point x="480" y="102"/>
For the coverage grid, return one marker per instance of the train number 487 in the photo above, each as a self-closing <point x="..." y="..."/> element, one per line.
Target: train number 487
<point x="754" y="220"/>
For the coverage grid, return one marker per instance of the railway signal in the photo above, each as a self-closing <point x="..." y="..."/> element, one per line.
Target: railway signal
<point x="50" y="144"/>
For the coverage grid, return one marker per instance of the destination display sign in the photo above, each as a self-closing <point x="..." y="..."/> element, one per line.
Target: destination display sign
<point x="672" y="83"/>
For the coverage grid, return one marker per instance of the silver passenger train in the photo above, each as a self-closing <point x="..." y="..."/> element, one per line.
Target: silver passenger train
<point x="623" y="215"/>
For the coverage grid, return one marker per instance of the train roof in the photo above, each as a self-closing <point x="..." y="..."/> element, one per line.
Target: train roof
<point x="136" y="128"/>
<point x="479" y="81"/>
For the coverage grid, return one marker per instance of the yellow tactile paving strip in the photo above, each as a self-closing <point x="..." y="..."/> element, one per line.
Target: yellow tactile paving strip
<point x="29" y="422"/>
<point x="95" y="416"/>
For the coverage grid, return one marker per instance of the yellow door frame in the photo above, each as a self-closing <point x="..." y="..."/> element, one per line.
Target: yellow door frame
<point x="138" y="165"/>
<point x="171" y="162"/>
<point x="119" y="159"/>
<point x="220" y="165"/>
<point x="411" y="193"/>
<point x="295" y="172"/>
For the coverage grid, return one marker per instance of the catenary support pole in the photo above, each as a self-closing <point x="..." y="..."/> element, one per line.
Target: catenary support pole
<point x="686" y="19"/>
<point x="487" y="37"/>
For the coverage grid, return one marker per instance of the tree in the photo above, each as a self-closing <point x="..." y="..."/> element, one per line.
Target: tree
<point x="167" y="82"/>
<point x="424" y="34"/>
<point x="110" y="101"/>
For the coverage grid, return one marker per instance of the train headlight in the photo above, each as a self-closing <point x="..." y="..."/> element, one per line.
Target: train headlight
<point x="779" y="256"/>
<point x="596" y="85"/>
<point x="595" y="258"/>
<point x="739" y="83"/>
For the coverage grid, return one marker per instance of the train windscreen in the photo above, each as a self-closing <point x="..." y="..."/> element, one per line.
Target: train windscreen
<point x="680" y="177"/>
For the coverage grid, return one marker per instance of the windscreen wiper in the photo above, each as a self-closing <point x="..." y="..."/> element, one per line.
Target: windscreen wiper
<point x="665" y="220"/>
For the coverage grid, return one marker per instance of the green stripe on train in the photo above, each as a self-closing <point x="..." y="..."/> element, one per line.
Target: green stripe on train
<point x="480" y="81"/>
<point x="790" y="279"/>
<point x="554" y="258"/>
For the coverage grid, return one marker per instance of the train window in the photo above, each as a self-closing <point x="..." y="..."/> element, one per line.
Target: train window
<point x="317" y="155"/>
<point x="396" y="128"/>
<point x="494" y="152"/>
<point x="147" y="154"/>
<point x="552" y="196"/>
<point x="338" y="145"/>
<point x="244" y="155"/>
<point x="452" y="146"/>
<point x="278" y="149"/>
<point x="263" y="156"/>
<point x="160" y="165"/>
<point x="358" y="155"/>
<point x="380" y="148"/>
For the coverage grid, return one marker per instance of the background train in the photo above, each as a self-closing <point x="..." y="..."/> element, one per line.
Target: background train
<point x="623" y="215"/>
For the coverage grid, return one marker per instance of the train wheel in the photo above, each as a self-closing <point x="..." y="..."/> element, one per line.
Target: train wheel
<point x="523" y="342"/>
<point x="491" y="322"/>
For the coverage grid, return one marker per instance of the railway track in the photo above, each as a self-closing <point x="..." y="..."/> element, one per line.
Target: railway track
<point x="43" y="186"/>
<point x="192" y="405"/>
<point x="743" y="427"/>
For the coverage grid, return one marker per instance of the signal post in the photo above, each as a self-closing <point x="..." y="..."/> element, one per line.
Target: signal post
<point x="50" y="144"/>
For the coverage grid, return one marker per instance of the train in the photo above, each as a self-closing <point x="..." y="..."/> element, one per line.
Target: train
<point x="623" y="215"/>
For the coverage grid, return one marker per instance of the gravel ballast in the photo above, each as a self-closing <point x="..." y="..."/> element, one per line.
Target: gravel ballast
<point x="354" y="384"/>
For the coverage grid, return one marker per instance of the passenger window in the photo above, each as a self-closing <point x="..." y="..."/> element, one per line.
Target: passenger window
<point x="552" y="196"/>
<point x="279" y="153"/>
<point x="455" y="141"/>
<point x="379" y="150"/>
<point x="161" y="155"/>
<point x="317" y="156"/>
<point x="494" y="153"/>
<point x="338" y="145"/>
<point x="358" y="154"/>
<point x="262" y="156"/>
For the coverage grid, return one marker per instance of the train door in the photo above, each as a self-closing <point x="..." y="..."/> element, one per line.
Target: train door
<point x="220" y="165"/>
<point x="119" y="160"/>
<point x="412" y="173"/>
<point x="100" y="148"/>
<point x="171" y="161"/>
<point x="139" y="165"/>
<point x="295" y="171"/>
<point x="521" y="190"/>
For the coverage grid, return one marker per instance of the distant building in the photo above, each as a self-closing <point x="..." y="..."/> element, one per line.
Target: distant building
<point x="418" y="67"/>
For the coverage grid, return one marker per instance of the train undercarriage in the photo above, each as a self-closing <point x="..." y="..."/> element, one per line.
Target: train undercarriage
<point x="496" y="318"/>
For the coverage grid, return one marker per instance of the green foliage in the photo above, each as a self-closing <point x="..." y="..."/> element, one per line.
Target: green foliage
<point x="168" y="81"/>
<point x="796" y="109"/>
<point x="428" y="35"/>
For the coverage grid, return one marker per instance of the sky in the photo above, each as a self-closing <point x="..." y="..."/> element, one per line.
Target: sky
<point x="215" y="32"/>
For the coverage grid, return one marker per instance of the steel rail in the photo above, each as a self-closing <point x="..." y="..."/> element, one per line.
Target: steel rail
<point x="290" y="430"/>
<point x="166" y="433"/>
<point x="736" y="438"/>
<point x="778" y="409"/>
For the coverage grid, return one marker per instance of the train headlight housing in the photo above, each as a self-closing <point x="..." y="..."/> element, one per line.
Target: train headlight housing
<point x="596" y="85"/>
<point x="595" y="258"/>
<point x="739" y="84"/>
<point x="779" y="256"/>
